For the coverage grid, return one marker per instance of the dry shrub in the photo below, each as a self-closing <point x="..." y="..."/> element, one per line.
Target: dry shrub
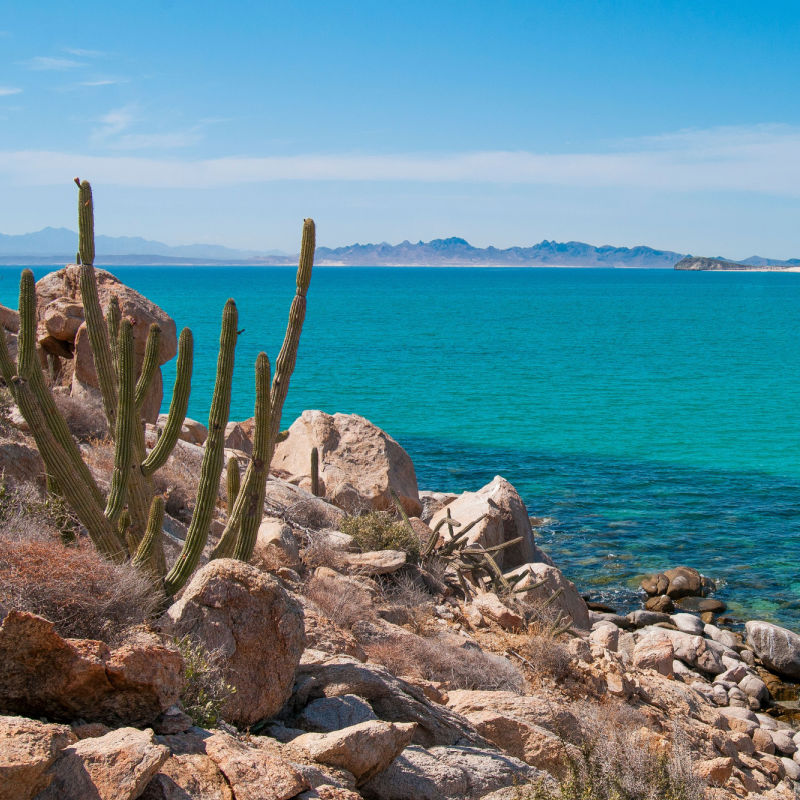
<point x="404" y="596"/>
<point x="378" y="530"/>
<point x="546" y="655"/>
<point x="177" y="482"/>
<point x="318" y="552"/>
<point x="74" y="587"/>
<point x="440" y="658"/>
<point x="84" y="419"/>
<point x="340" y="600"/>
<point x="618" y="763"/>
<point x="205" y="691"/>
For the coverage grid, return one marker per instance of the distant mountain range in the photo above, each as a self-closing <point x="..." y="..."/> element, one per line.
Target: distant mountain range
<point x="58" y="245"/>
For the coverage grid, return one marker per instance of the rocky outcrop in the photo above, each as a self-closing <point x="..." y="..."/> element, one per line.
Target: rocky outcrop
<point x="62" y="330"/>
<point x="117" y="766"/>
<point x="27" y="749"/>
<point x="275" y="545"/>
<point x="359" y="464"/>
<point x="252" y="621"/>
<point x="284" y="499"/>
<point x="502" y="516"/>
<point x="42" y="674"/>
<point x="777" y="647"/>
<point x="546" y="584"/>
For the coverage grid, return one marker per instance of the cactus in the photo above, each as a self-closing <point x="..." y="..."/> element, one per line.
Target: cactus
<point x="315" y="472"/>
<point x="128" y="523"/>
<point x="232" y="481"/>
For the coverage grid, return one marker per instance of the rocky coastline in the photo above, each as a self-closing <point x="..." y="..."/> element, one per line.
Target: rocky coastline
<point x="382" y="643"/>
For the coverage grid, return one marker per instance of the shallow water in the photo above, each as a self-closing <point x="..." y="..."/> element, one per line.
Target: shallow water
<point x="651" y="414"/>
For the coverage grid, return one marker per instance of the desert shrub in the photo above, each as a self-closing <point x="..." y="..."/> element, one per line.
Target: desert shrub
<point x="617" y="763"/>
<point x="6" y="405"/>
<point x="74" y="587"/>
<point x="546" y="655"/>
<point x="405" y="593"/>
<point x="377" y="530"/>
<point x="340" y="600"/>
<point x="318" y="552"/>
<point x="28" y="513"/>
<point x="205" y="691"/>
<point x="85" y="421"/>
<point x="440" y="658"/>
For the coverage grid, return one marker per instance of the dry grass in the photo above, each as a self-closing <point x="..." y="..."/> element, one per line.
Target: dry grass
<point x="618" y="762"/>
<point x="378" y="530"/>
<point x="444" y="658"/>
<point x="205" y="691"/>
<point x="177" y="482"/>
<point x="342" y="603"/>
<point x="83" y="419"/>
<point x="405" y="597"/>
<point x="318" y="552"/>
<point x="84" y="595"/>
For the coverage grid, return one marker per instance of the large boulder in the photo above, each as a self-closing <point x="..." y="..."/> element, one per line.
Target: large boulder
<point x="42" y="674"/>
<point x="300" y="507"/>
<point x="62" y="329"/>
<point x="117" y="766"/>
<point x="546" y="584"/>
<point x="359" y="464"/>
<point x="778" y="648"/>
<point x="252" y="621"/>
<point x="502" y="516"/>
<point x="27" y="749"/>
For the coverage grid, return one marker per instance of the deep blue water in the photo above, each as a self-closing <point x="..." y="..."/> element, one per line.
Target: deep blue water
<point x="652" y="415"/>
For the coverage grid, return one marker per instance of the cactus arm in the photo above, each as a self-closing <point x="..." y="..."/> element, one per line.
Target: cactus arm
<point x="113" y="318"/>
<point x="149" y="365"/>
<point x="8" y="369"/>
<point x="177" y="407"/>
<point x="76" y="492"/>
<point x="151" y="543"/>
<point x="254" y="490"/>
<point x="232" y="481"/>
<point x="85" y="222"/>
<point x="287" y="357"/>
<point x="126" y="419"/>
<point x="29" y="368"/>
<point x="213" y="457"/>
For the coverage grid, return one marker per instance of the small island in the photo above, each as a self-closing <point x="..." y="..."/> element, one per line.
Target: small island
<point x="721" y="264"/>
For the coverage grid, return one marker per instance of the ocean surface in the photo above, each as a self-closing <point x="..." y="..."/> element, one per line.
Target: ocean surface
<point x="652" y="416"/>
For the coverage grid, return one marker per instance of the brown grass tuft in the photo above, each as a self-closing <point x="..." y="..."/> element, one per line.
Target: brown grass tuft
<point x="340" y="600"/>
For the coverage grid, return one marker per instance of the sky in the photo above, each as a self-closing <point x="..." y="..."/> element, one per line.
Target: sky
<point x="671" y="124"/>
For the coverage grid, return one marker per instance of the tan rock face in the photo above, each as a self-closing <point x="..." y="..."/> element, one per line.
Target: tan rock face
<point x="248" y="616"/>
<point x="490" y="605"/>
<point x="62" y="328"/>
<point x="358" y="462"/>
<point x="654" y="652"/>
<point x="192" y="775"/>
<point x="42" y="674"/>
<point x="9" y="319"/>
<point x="363" y="750"/>
<point x="27" y="749"/>
<point x="504" y="517"/>
<point x="301" y="506"/>
<point x="569" y="601"/>
<point x="275" y="545"/>
<point x="117" y="766"/>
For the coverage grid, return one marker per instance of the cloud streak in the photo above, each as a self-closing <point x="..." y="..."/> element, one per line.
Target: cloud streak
<point x="763" y="159"/>
<point x="48" y="63"/>
<point x="5" y="91"/>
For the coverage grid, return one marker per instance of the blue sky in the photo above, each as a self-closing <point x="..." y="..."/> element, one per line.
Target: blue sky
<point x="674" y="124"/>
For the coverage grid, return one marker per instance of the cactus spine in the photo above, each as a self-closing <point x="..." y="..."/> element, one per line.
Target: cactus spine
<point x="213" y="456"/>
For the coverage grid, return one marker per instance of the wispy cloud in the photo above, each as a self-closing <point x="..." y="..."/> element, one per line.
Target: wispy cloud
<point x="763" y="159"/>
<point x="81" y="53"/>
<point x="5" y="91"/>
<point x="103" y="82"/>
<point x="114" y="133"/>
<point x="43" y="63"/>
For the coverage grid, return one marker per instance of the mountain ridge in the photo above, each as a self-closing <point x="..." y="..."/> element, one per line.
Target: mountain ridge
<point x="58" y="245"/>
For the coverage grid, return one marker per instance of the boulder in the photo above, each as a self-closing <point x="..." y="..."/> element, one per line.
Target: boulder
<point x="363" y="750"/>
<point x="358" y="462"/>
<point x="688" y="623"/>
<point x="247" y="616"/>
<point x="63" y="331"/>
<point x="606" y="635"/>
<point x="42" y="674"/>
<point x="192" y="431"/>
<point x="660" y="602"/>
<point x="117" y="766"/>
<point x="696" y="651"/>
<point x="568" y="602"/>
<point x="377" y="562"/>
<point x="502" y="516"/>
<point x="441" y="773"/>
<point x="9" y="319"/>
<point x="490" y="606"/>
<point x="778" y="648"/>
<point x="334" y="713"/>
<point x="275" y="545"/>
<point x="237" y="439"/>
<point x="683" y="581"/>
<point x="27" y="749"/>
<point x="391" y="698"/>
<point x="715" y="771"/>
<point x="654" y="651"/>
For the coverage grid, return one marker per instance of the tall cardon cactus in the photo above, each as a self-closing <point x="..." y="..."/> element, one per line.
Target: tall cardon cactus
<point x="128" y="523"/>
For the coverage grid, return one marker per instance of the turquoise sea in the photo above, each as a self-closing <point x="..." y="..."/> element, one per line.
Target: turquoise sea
<point x="653" y="416"/>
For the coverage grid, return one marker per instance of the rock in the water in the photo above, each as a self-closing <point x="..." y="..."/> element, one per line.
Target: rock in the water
<point x="568" y="601"/>
<point x="660" y="602"/>
<point x="249" y="617"/>
<point x="117" y="766"/>
<point x="358" y="462"/>
<point x="27" y="749"/>
<point x="363" y="750"/>
<point x="42" y="674"/>
<point x="504" y="517"/>
<point x="777" y="647"/>
<point x="683" y="581"/>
